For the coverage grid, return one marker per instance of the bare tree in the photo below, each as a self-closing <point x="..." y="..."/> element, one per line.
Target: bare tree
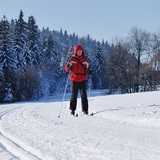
<point x="155" y="61"/>
<point x="140" y="47"/>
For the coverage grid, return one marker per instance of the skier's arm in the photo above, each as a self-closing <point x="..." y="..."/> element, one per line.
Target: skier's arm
<point x="88" y="69"/>
<point x="68" y="66"/>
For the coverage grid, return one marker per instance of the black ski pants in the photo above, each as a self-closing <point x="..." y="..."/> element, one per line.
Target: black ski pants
<point x="75" y="87"/>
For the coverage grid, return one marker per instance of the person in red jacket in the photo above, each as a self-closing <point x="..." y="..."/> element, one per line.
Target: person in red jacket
<point x="79" y="67"/>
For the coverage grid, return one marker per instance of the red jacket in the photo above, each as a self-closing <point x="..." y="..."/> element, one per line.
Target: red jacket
<point x="79" y="68"/>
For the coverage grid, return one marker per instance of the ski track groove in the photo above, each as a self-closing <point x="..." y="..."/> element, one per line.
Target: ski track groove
<point x="7" y="142"/>
<point x="3" y="150"/>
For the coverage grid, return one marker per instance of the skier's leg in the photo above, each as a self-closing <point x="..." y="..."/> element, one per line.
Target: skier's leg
<point x="74" y="94"/>
<point x="84" y="100"/>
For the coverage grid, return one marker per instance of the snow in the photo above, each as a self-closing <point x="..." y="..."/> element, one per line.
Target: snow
<point x="124" y="127"/>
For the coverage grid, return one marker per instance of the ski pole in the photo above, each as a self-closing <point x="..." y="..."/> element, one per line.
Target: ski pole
<point x="90" y="83"/>
<point x="63" y="96"/>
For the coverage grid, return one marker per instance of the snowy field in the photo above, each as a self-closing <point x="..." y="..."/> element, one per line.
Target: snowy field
<point x="124" y="127"/>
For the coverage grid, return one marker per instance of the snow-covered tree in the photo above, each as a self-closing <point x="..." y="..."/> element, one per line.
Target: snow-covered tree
<point x="33" y="37"/>
<point x="7" y="62"/>
<point x="98" y="66"/>
<point x="20" y="39"/>
<point x="51" y="65"/>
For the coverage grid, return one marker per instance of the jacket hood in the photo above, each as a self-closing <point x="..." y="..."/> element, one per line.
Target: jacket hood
<point x="78" y="47"/>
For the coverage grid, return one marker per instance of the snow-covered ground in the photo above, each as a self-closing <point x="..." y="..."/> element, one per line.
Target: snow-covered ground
<point x="124" y="127"/>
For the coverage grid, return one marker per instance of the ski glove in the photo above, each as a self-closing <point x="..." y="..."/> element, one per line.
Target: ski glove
<point x="87" y="64"/>
<point x="70" y="64"/>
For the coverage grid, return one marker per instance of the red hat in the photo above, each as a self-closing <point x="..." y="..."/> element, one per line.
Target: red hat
<point x="76" y="48"/>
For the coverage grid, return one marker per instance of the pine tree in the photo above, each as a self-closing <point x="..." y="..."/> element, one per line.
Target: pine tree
<point x="98" y="66"/>
<point x="33" y="58"/>
<point x="51" y="68"/>
<point x="33" y="36"/>
<point x="7" y="61"/>
<point x="20" y="40"/>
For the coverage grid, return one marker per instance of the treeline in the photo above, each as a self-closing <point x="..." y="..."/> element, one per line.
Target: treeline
<point x="133" y="64"/>
<point x="32" y="60"/>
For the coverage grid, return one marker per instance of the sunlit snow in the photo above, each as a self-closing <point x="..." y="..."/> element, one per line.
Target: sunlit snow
<point x="124" y="127"/>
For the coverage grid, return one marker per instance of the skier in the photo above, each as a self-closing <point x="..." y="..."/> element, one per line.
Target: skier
<point x="79" y="67"/>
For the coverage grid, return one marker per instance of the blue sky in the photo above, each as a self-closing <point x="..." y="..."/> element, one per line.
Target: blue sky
<point x="101" y="19"/>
